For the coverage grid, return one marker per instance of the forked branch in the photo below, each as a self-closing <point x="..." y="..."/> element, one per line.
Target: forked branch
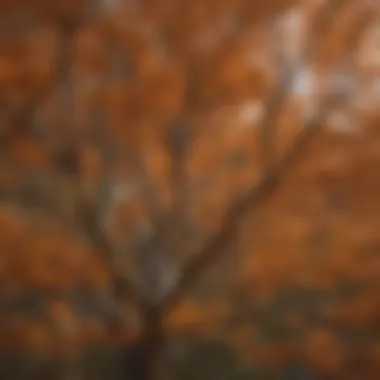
<point x="272" y="173"/>
<point x="230" y="225"/>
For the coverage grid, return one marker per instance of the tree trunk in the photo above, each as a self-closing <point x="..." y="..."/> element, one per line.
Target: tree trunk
<point x="140" y="358"/>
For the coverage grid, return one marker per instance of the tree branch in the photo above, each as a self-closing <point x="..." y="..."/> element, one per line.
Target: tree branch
<point x="178" y="147"/>
<point x="89" y="218"/>
<point x="285" y="82"/>
<point x="272" y="174"/>
<point x="231" y="222"/>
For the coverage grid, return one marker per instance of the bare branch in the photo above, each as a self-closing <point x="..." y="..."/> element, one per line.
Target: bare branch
<point x="150" y="193"/>
<point x="273" y="175"/>
<point x="284" y="84"/>
<point x="89" y="217"/>
<point x="231" y="222"/>
<point x="178" y="146"/>
<point x="87" y="211"/>
<point x="89" y="214"/>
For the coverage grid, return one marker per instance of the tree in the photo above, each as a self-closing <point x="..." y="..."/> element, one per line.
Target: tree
<point x="111" y="129"/>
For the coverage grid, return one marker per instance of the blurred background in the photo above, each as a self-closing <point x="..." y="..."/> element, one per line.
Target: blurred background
<point x="297" y="294"/>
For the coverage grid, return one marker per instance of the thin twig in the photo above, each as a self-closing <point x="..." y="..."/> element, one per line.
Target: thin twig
<point x="179" y="142"/>
<point x="285" y="82"/>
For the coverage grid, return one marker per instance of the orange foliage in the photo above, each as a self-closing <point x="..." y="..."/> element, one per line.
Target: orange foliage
<point x="132" y="76"/>
<point x="323" y="353"/>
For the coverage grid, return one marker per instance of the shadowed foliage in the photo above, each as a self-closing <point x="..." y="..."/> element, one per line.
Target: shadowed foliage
<point x="189" y="189"/>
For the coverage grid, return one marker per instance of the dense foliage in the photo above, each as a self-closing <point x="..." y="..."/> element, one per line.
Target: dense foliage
<point x="144" y="115"/>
